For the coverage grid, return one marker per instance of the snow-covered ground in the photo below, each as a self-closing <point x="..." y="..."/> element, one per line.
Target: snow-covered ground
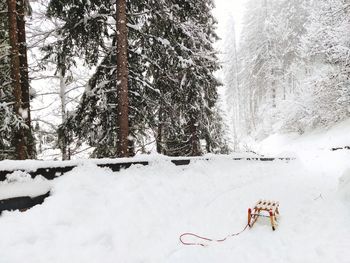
<point x="21" y="184"/>
<point x="313" y="149"/>
<point x="138" y="214"/>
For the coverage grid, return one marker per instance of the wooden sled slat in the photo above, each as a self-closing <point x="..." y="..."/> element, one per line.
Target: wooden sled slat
<point x="269" y="206"/>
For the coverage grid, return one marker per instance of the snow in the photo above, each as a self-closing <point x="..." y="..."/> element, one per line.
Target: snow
<point x="344" y="185"/>
<point x="135" y="27"/>
<point x="33" y="165"/>
<point x="320" y="139"/>
<point x="138" y="214"/>
<point x="24" y="113"/>
<point x="21" y="184"/>
<point x="313" y="148"/>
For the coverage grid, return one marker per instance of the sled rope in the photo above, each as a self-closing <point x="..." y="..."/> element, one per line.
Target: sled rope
<point x="262" y="205"/>
<point x="207" y="239"/>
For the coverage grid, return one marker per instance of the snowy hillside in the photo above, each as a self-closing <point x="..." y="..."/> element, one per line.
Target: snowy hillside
<point x="317" y="140"/>
<point x="312" y="147"/>
<point x="137" y="215"/>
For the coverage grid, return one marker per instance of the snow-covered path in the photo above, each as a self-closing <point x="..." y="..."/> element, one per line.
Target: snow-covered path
<point x="137" y="215"/>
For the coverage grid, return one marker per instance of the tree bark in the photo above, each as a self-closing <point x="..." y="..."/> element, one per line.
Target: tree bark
<point x="19" y="136"/>
<point x="63" y="112"/>
<point x="194" y="139"/>
<point x="160" y="130"/>
<point x="273" y="94"/>
<point x="24" y="78"/>
<point x="193" y="126"/>
<point x="122" y="80"/>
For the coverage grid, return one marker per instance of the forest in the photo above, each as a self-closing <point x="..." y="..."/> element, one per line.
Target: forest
<point x="160" y="90"/>
<point x="290" y="72"/>
<point x="174" y="131"/>
<point x="68" y="89"/>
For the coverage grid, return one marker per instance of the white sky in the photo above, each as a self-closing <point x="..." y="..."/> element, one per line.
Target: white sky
<point x="225" y="8"/>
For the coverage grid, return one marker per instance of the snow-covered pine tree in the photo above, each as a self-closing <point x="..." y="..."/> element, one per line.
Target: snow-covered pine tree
<point x="65" y="75"/>
<point x="16" y="137"/>
<point x="216" y="133"/>
<point x="23" y="9"/>
<point x="183" y="36"/>
<point x="269" y="53"/>
<point x="171" y="65"/>
<point x="198" y="82"/>
<point x="159" y="39"/>
<point x="63" y="63"/>
<point x="90" y="33"/>
<point x="326" y="93"/>
<point x="253" y="49"/>
<point x="231" y="79"/>
<point x="8" y="118"/>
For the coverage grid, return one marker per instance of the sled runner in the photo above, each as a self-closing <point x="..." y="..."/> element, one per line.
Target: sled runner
<point x="271" y="207"/>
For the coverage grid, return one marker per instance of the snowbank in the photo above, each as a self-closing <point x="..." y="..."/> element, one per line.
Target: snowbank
<point x="314" y="149"/>
<point x="138" y="214"/>
<point x="21" y="184"/>
<point x="344" y="185"/>
<point x="33" y="165"/>
<point x="320" y="139"/>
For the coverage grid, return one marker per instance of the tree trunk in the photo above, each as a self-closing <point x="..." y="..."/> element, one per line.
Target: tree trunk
<point x="19" y="137"/>
<point x="24" y="79"/>
<point x="194" y="139"/>
<point x="122" y="80"/>
<point x="160" y="130"/>
<point x="236" y="99"/>
<point x="273" y="94"/>
<point x="63" y="112"/>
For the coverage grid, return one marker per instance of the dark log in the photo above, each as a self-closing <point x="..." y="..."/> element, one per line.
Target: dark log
<point x="116" y="167"/>
<point x="340" y="148"/>
<point x="51" y="173"/>
<point x="21" y="203"/>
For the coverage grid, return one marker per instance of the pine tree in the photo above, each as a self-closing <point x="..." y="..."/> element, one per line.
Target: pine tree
<point x="269" y="53"/>
<point x="199" y="80"/>
<point x="23" y="8"/>
<point x="253" y="49"/>
<point x="19" y="137"/>
<point x="8" y="118"/>
<point x="95" y="117"/>
<point x="172" y="90"/>
<point x="16" y="138"/>
<point x="183" y="48"/>
<point x="231" y="79"/>
<point x="326" y="93"/>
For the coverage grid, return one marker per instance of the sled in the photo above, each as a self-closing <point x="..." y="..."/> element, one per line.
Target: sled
<point x="267" y="206"/>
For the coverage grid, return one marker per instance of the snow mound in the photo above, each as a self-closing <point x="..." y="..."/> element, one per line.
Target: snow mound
<point x="18" y="176"/>
<point x="136" y="215"/>
<point x="313" y="149"/>
<point x="317" y="140"/>
<point x="344" y="185"/>
<point x="21" y="183"/>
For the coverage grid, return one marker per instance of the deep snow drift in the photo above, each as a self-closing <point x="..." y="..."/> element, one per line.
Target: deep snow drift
<point x="137" y="215"/>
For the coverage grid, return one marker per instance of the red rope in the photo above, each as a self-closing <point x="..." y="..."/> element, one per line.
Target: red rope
<point x="208" y="239"/>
